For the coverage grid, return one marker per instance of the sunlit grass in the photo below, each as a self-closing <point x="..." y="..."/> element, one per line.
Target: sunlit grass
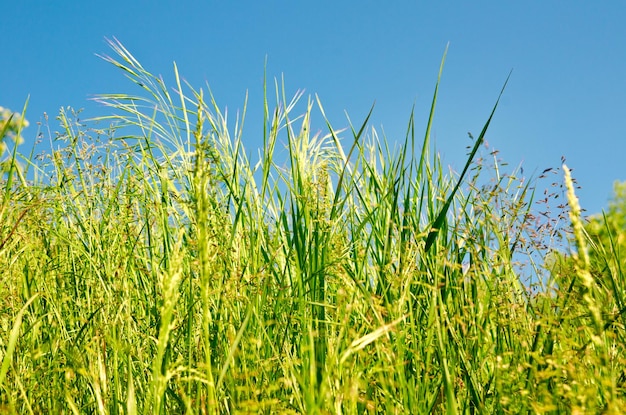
<point x="154" y="266"/>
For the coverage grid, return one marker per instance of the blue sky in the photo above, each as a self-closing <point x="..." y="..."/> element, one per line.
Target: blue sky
<point x="566" y="96"/>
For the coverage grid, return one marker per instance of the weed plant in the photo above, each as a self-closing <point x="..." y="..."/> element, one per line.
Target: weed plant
<point x="154" y="266"/>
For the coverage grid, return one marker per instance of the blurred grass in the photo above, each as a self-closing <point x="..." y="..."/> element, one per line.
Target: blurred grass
<point x="153" y="267"/>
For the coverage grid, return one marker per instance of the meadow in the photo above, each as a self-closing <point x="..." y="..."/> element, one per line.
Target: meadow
<point x="151" y="264"/>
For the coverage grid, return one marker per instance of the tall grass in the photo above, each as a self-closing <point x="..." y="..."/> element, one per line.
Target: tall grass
<point x="153" y="266"/>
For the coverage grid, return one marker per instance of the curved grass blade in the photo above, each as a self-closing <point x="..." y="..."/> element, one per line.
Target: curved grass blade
<point x="439" y="220"/>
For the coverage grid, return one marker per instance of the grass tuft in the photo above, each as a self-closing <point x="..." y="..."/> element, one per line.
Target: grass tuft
<point x="150" y="265"/>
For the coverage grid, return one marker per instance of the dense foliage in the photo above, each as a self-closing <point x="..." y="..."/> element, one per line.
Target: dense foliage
<point x="149" y="265"/>
<point x="608" y="235"/>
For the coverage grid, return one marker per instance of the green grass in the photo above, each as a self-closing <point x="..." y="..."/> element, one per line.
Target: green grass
<point x="154" y="266"/>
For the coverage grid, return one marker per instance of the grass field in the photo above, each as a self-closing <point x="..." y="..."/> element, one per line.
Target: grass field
<point x="150" y="264"/>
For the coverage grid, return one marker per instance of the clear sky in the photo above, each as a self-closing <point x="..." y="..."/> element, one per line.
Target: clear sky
<point x="566" y="96"/>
